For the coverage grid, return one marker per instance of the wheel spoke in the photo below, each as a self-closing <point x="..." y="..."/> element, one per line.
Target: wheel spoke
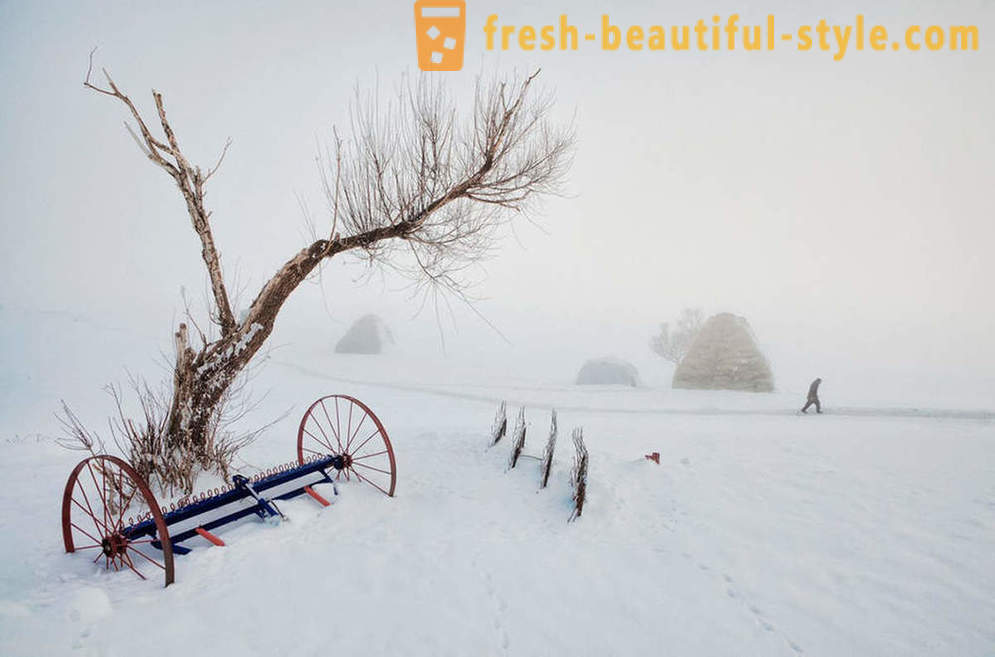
<point x="145" y="556"/>
<point x="370" y="467"/>
<point x="368" y="456"/>
<point x="131" y="565"/>
<point x="367" y="440"/>
<point x="96" y="523"/>
<point x="100" y="490"/>
<point x="336" y="429"/>
<point x="338" y="421"/>
<point x="320" y="428"/>
<point x="360" y="426"/>
<point x="371" y="483"/>
<point x="88" y="547"/>
<point x="86" y="498"/>
<point x="92" y="537"/>
<point x="319" y="440"/>
<point x="348" y="430"/>
<point x="120" y="490"/>
<point x="120" y="519"/>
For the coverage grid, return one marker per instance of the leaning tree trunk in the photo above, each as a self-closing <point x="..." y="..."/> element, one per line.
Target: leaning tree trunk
<point x="202" y="379"/>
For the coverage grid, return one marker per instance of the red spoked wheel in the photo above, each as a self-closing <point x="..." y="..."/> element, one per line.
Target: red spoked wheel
<point x="342" y="425"/>
<point x="105" y="501"/>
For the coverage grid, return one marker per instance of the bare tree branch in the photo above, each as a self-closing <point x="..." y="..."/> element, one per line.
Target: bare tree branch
<point x="188" y="178"/>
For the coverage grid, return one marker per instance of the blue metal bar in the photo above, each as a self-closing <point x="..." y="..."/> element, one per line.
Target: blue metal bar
<point x="240" y="492"/>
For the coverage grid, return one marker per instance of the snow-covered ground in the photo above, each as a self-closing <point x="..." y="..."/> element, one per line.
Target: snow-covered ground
<point x="868" y="530"/>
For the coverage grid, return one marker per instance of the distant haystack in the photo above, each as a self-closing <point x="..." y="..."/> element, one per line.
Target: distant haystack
<point x="725" y="356"/>
<point x="608" y="371"/>
<point x="368" y="335"/>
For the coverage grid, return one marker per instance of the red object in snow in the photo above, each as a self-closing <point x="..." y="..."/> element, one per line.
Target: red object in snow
<point x="321" y="500"/>
<point x="655" y="457"/>
<point x="209" y="536"/>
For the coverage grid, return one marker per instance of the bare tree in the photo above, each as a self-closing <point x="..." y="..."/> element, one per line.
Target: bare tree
<point x="675" y="345"/>
<point x="416" y="187"/>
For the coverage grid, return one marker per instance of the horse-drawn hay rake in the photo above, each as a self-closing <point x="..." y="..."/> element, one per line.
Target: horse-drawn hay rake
<point x="108" y="508"/>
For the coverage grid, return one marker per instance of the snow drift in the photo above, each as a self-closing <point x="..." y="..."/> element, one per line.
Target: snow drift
<point x="608" y="371"/>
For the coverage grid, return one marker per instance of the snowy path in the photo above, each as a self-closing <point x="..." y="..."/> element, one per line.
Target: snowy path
<point x="546" y="398"/>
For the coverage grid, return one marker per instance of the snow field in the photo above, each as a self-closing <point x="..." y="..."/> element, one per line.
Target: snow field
<point x="766" y="535"/>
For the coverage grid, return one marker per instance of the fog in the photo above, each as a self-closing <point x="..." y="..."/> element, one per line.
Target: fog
<point x="844" y="208"/>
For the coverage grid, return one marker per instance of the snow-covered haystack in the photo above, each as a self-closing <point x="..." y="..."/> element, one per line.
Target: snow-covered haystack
<point x="367" y="335"/>
<point x="608" y="371"/>
<point x="725" y="356"/>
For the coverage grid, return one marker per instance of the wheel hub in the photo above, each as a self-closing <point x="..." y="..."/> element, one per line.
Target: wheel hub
<point x="113" y="545"/>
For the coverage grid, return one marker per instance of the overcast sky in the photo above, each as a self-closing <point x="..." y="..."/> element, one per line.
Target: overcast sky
<point x="845" y="208"/>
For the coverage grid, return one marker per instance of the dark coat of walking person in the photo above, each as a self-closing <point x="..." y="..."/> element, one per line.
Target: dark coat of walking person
<point x="813" y="397"/>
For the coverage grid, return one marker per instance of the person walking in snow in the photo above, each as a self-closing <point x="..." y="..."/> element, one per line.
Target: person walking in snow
<point x="813" y="397"/>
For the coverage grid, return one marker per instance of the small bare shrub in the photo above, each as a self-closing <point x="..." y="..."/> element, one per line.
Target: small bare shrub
<point x="579" y="475"/>
<point x="142" y="441"/>
<point x="518" y="439"/>
<point x="500" y="426"/>
<point x="546" y="465"/>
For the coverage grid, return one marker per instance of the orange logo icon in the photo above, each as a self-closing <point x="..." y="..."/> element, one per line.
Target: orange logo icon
<point x="440" y="29"/>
